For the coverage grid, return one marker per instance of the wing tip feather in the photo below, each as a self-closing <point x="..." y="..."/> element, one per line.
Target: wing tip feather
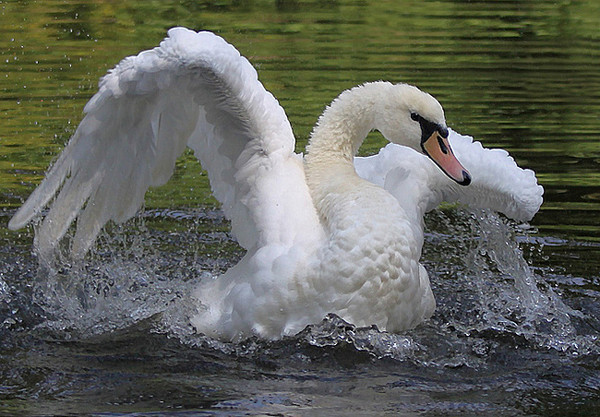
<point x="19" y="220"/>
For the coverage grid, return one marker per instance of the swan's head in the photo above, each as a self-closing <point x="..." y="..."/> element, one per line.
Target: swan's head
<point x="416" y="119"/>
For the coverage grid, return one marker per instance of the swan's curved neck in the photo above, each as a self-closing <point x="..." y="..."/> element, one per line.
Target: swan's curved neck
<point x="341" y="129"/>
<point x="344" y="125"/>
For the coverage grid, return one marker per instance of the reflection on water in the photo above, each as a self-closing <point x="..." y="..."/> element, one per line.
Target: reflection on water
<point x="111" y="335"/>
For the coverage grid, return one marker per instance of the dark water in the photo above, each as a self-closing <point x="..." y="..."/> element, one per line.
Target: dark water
<point x="516" y="329"/>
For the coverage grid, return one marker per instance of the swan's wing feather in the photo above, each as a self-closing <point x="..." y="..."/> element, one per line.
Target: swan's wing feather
<point x="196" y="90"/>
<point x="501" y="184"/>
<point x="498" y="183"/>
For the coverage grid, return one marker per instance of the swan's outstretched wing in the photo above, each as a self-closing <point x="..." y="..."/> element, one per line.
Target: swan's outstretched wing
<point x="196" y="90"/>
<point x="498" y="183"/>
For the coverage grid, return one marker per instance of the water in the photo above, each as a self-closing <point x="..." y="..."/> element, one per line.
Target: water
<point x="516" y="329"/>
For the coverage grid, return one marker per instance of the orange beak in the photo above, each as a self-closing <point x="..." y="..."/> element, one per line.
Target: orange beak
<point x="438" y="149"/>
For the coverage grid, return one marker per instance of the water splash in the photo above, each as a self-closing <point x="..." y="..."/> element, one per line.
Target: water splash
<point x="513" y="299"/>
<point x="125" y="280"/>
<point x="333" y="331"/>
<point x="485" y="289"/>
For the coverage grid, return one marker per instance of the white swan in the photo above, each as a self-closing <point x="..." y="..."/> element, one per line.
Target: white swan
<point x="319" y="238"/>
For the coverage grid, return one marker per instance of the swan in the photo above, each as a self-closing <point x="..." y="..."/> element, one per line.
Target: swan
<point x="324" y="233"/>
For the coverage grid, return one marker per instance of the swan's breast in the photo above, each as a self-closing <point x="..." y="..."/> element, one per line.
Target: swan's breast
<point x="369" y="270"/>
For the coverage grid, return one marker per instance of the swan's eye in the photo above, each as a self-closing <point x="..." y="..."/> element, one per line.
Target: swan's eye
<point x="414" y="116"/>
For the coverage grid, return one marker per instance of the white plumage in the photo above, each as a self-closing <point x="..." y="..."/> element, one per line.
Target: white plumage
<point x="319" y="239"/>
